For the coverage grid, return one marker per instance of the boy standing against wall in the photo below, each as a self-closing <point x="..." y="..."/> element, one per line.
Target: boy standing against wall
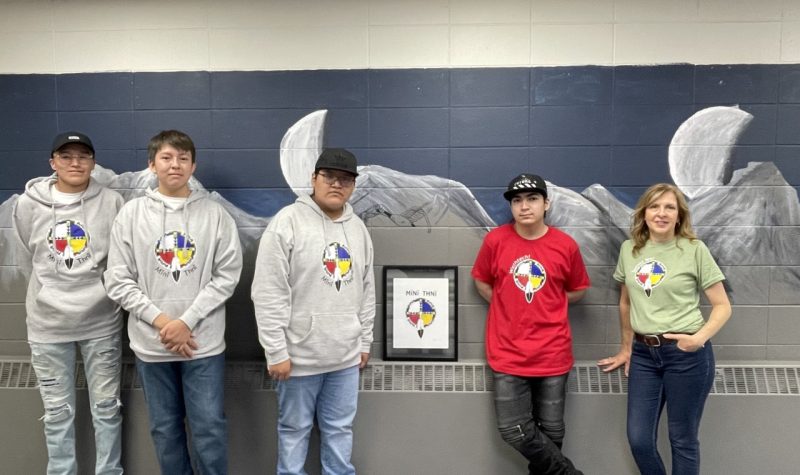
<point x="175" y="259"/>
<point x="314" y="299"/>
<point x="63" y="222"/>
<point x="529" y="272"/>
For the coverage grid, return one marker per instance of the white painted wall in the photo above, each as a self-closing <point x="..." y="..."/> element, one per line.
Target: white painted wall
<point x="61" y="36"/>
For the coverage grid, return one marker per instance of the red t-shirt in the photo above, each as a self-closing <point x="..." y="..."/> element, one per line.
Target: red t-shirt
<point x="527" y="331"/>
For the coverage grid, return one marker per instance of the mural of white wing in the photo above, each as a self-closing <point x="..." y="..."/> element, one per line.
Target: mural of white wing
<point x="700" y="151"/>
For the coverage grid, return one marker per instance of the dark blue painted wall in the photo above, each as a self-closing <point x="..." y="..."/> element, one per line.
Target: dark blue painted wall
<point x="574" y="125"/>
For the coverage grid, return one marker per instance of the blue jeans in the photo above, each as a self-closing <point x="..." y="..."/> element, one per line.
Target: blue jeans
<point x="193" y="390"/>
<point x="530" y="418"/>
<point x="668" y="376"/>
<point x="333" y="399"/>
<point x="54" y="364"/>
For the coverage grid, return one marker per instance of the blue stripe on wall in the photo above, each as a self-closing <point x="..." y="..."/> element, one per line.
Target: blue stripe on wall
<point x="575" y="125"/>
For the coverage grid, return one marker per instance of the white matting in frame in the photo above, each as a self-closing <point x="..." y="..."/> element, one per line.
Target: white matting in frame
<point x="420" y="313"/>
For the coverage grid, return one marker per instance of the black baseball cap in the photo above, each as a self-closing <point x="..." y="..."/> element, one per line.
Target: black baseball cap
<point x="525" y="183"/>
<point x="67" y="138"/>
<point x="337" y="159"/>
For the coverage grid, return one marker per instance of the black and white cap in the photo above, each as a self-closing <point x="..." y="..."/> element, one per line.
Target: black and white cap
<point x="71" y="137"/>
<point x="525" y="182"/>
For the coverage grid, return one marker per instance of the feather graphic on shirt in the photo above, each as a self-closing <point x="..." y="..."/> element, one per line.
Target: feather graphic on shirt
<point x="529" y="291"/>
<point x="175" y="268"/>
<point x="337" y="276"/>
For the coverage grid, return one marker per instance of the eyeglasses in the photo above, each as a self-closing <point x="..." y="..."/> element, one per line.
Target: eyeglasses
<point x="344" y="181"/>
<point x="82" y="158"/>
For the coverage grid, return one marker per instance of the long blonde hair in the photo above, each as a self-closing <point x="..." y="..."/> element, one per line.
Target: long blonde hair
<point x="640" y="232"/>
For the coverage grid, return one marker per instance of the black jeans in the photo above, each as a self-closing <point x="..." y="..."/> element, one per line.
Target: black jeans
<point x="530" y="418"/>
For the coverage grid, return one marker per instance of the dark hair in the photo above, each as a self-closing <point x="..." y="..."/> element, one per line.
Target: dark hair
<point x="175" y="138"/>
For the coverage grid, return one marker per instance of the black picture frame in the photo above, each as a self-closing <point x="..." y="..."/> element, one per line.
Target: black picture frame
<point x="394" y="347"/>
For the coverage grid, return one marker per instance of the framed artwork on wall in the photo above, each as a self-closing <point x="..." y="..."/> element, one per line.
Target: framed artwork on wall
<point x="420" y="313"/>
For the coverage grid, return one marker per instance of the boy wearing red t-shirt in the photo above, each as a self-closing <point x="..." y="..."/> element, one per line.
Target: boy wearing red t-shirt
<point x="529" y="272"/>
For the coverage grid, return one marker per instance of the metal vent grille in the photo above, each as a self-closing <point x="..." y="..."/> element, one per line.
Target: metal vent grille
<point x="17" y="375"/>
<point x="426" y="377"/>
<point x="585" y="378"/>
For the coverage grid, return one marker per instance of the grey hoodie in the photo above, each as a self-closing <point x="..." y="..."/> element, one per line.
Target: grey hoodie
<point x="314" y="290"/>
<point x="63" y="249"/>
<point x="183" y="263"/>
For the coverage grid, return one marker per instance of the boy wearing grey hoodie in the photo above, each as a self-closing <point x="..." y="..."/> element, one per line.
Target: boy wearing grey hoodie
<point x="175" y="259"/>
<point x="62" y="223"/>
<point x="314" y="297"/>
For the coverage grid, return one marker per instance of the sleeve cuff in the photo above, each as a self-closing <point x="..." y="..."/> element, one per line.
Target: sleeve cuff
<point x="190" y="318"/>
<point x="276" y="357"/>
<point x="150" y="314"/>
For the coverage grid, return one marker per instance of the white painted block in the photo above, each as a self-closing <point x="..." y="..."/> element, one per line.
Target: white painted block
<point x="91" y="51"/>
<point x="408" y="46"/>
<point x="483" y="12"/>
<point x="169" y="50"/>
<point x="741" y="10"/>
<point x="572" y="44"/>
<point x="342" y="13"/>
<point x="790" y="42"/>
<point x="640" y="11"/>
<point x="482" y="45"/>
<point x="35" y="57"/>
<point x="742" y="43"/>
<point x="154" y="14"/>
<point x="577" y="11"/>
<point x="237" y="49"/>
<point x="316" y="47"/>
<point x="35" y="15"/>
<point x="88" y="16"/>
<point x="412" y="12"/>
<point x="653" y="43"/>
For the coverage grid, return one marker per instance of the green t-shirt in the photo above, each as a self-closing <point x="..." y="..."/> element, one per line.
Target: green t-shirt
<point x="664" y="282"/>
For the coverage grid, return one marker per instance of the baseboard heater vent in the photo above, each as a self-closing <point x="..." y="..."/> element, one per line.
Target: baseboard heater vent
<point x="585" y="378"/>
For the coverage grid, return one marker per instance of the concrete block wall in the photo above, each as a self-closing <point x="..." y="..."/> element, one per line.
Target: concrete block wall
<point x="581" y="91"/>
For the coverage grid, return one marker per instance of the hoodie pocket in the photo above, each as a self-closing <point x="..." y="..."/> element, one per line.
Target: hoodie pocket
<point x="74" y="303"/>
<point x="330" y="337"/>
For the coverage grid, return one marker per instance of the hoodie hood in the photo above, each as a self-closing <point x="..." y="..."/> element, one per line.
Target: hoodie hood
<point x="38" y="189"/>
<point x="196" y="194"/>
<point x="347" y="214"/>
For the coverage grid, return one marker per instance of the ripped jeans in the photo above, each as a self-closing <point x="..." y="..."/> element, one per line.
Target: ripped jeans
<point x="54" y="364"/>
<point x="530" y="418"/>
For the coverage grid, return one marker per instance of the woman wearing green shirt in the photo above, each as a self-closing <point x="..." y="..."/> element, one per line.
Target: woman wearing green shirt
<point x="666" y="348"/>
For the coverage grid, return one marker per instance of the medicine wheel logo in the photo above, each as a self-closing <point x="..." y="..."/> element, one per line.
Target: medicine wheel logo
<point x="420" y="313"/>
<point x="529" y="276"/>
<point x="337" y="264"/>
<point x="649" y="274"/>
<point x="68" y="240"/>
<point x="174" y="252"/>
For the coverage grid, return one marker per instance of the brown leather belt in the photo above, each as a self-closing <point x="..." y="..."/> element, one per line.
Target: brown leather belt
<point x="654" y="340"/>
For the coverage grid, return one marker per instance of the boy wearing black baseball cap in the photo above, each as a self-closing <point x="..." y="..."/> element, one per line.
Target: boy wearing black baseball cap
<point x="529" y="272"/>
<point x="314" y="277"/>
<point x="63" y="223"/>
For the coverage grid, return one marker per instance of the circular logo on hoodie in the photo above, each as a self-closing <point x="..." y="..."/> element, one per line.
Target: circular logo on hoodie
<point x="68" y="240"/>
<point x="336" y="262"/>
<point x="175" y="251"/>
